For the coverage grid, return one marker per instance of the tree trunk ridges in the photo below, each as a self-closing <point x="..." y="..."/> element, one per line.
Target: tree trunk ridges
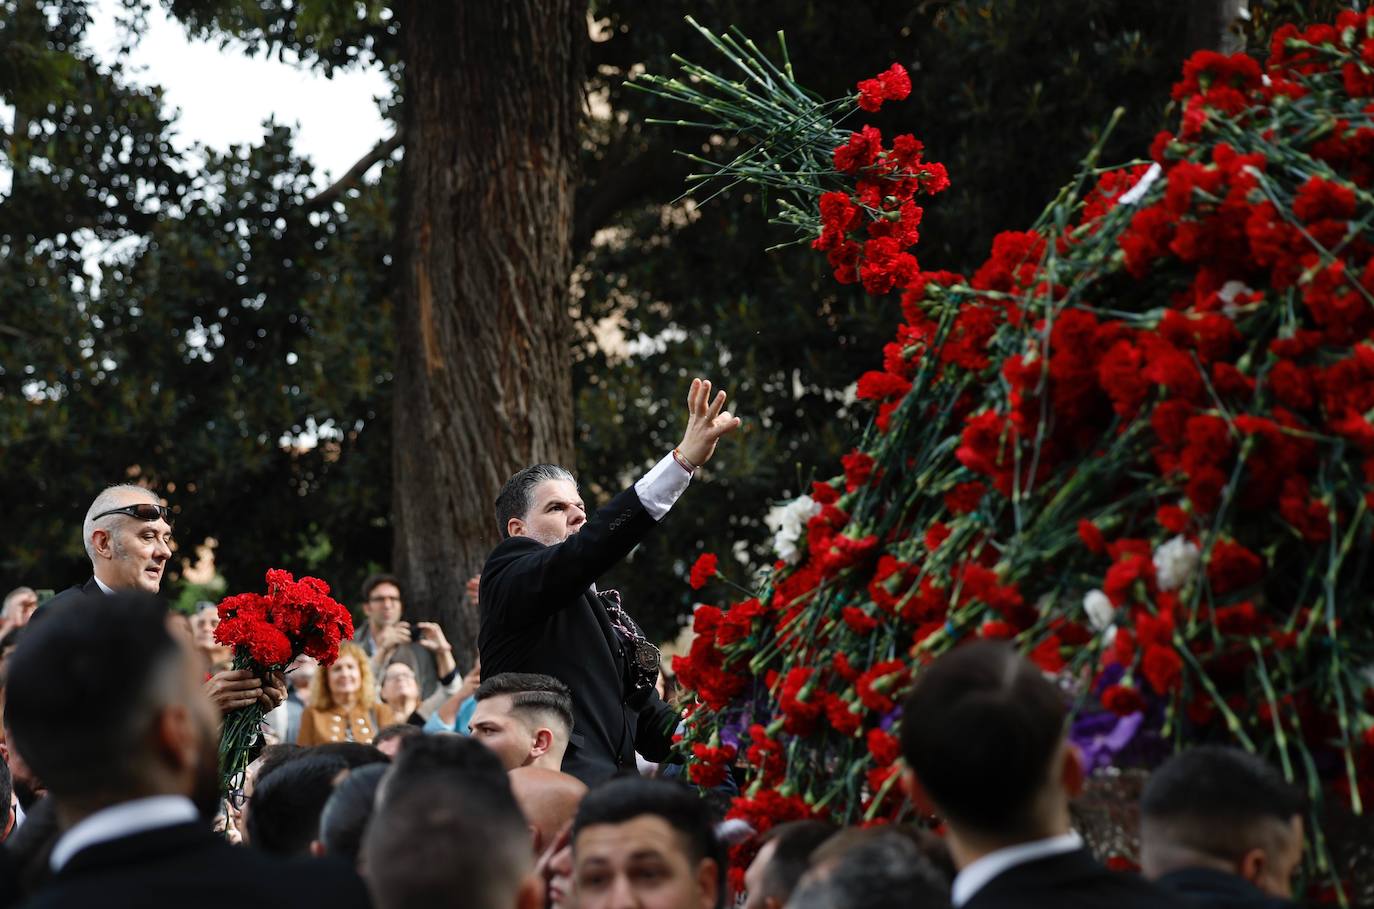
<point x="483" y="379"/>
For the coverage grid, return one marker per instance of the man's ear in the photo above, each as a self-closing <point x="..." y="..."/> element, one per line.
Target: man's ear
<point x="1071" y="772"/>
<point x="103" y="543"/>
<point x="316" y="849"/>
<point x="515" y="528"/>
<point x="536" y="840"/>
<point x="543" y="741"/>
<point x="176" y="737"/>
<point x="1253" y="866"/>
<point x="708" y="882"/>
<point x="914" y="791"/>
<point x="531" y="893"/>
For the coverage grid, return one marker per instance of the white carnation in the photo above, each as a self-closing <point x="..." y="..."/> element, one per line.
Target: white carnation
<point x="1176" y="561"/>
<point x="1099" y="609"/>
<point x="788" y="523"/>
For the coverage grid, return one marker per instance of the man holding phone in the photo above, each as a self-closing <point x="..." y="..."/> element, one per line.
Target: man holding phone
<point x="388" y="639"/>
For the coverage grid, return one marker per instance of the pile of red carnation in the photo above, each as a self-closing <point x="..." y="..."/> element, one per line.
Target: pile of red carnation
<point x="1138" y="441"/>
<point x="266" y="632"/>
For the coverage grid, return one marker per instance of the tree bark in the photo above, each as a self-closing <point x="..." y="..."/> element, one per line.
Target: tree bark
<point x="483" y="376"/>
<point x="1211" y="25"/>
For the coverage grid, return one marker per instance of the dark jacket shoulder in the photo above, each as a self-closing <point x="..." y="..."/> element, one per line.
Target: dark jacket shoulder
<point x="1069" y="880"/>
<point x="1218" y="890"/>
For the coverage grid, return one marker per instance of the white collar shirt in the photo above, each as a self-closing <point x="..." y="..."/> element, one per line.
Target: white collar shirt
<point x="977" y="874"/>
<point x="104" y="588"/>
<point x="124" y="819"/>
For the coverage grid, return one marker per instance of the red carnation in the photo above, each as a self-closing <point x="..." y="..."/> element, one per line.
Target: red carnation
<point x="1232" y="567"/>
<point x="1122" y="700"/>
<point x="703" y="570"/>
<point x="1163" y="668"/>
<point x="884" y="747"/>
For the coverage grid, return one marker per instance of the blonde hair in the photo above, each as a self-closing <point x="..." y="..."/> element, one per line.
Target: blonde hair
<point x="320" y="696"/>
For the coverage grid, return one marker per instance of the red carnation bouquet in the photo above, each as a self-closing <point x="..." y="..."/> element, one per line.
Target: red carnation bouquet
<point x="267" y="632"/>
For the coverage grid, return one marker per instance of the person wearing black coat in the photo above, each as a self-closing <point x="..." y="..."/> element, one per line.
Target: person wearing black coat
<point x="125" y="739"/>
<point x="541" y="611"/>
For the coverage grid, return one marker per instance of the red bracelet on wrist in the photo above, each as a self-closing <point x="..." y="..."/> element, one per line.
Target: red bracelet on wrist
<point x="683" y="462"/>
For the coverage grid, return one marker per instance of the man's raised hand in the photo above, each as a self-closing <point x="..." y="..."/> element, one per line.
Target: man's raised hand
<point x="707" y="421"/>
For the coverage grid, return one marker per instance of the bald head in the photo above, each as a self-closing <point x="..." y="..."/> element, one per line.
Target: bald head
<point x="548" y="799"/>
<point x="126" y="552"/>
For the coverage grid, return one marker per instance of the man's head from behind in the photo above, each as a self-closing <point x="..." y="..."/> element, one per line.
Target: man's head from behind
<point x="983" y="734"/>
<point x="106" y="707"/>
<point x="1225" y="809"/>
<point x="647" y="843"/>
<point x="446" y="835"/>
<point x="127" y="538"/>
<point x="783" y="857"/>
<point x="548" y="799"/>
<point x="883" y="871"/>
<point x="288" y="801"/>
<point x="540" y="502"/>
<point x="525" y="718"/>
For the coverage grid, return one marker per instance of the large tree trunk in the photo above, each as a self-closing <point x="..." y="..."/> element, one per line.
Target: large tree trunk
<point x="484" y="229"/>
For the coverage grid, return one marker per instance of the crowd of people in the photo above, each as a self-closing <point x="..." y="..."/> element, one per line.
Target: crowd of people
<point x="391" y="779"/>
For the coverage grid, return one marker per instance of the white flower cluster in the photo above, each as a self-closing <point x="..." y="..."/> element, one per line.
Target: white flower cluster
<point x="788" y="523"/>
<point x="1175" y="563"/>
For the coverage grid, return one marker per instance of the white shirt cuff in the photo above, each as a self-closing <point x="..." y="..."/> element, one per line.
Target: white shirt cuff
<point x="660" y="488"/>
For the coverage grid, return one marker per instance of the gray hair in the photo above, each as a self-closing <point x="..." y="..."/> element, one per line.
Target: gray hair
<point x="111" y="497"/>
<point x="886" y="872"/>
<point x="517" y="495"/>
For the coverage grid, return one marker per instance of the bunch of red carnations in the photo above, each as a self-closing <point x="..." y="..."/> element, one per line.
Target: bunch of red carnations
<point x="1138" y="441"/>
<point x="267" y="632"/>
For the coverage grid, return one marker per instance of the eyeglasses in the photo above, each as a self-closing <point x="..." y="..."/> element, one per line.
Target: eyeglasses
<point x="236" y="799"/>
<point x="144" y="511"/>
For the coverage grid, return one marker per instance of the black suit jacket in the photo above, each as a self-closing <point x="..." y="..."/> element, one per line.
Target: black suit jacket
<point x="540" y="615"/>
<point x="187" y="865"/>
<point x="1071" y="880"/>
<point x="75" y="593"/>
<point x="1218" y="890"/>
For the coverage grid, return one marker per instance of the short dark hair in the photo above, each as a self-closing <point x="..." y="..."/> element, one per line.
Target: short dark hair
<point x="371" y="581"/>
<point x="684" y="810"/>
<point x="286" y="805"/>
<point x="517" y="496"/>
<point x="346" y="814"/>
<point x="445" y="756"/>
<point x="884" y="871"/>
<point x="396" y="731"/>
<point x="353" y="754"/>
<point x="6" y="797"/>
<point x="1214" y="800"/>
<point x="795" y="840"/>
<point x="418" y="847"/>
<point x="530" y="694"/>
<point x="979" y="729"/>
<point x="115" y="654"/>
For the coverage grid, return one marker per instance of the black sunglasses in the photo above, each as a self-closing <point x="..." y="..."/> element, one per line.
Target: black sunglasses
<point x="145" y="511"/>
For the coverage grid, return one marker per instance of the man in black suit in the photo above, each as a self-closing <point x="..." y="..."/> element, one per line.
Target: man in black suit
<point x="128" y="537"/>
<point x="1221" y="828"/>
<point x="541" y="611"/>
<point x="126" y="740"/>
<point x="984" y="735"/>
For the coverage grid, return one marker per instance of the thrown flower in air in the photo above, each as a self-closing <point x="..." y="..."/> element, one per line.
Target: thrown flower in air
<point x="703" y="570"/>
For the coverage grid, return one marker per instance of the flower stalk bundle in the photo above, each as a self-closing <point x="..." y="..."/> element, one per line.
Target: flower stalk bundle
<point x="267" y="632"/>
<point x="1138" y="441"/>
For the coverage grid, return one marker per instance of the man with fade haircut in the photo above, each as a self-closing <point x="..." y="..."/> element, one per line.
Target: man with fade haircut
<point x="541" y="611"/>
<point x="128" y="537"/>
<point x="1220" y="827"/>
<point x="783" y="857"/>
<point x="985" y="738"/>
<point x="126" y="741"/>
<point x="649" y="844"/>
<point x="525" y="718"/>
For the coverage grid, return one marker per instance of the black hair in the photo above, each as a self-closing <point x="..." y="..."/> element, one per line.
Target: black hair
<point x="346" y="814"/>
<point x="115" y="654"/>
<point x="395" y="731"/>
<point x="683" y="809"/>
<point x="419" y="845"/>
<point x="353" y="754"/>
<point x="795" y="840"/>
<point x="371" y="582"/>
<point x="274" y="756"/>
<point x="884" y="871"/>
<point x="517" y="496"/>
<point x="980" y="729"/>
<point x="530" y="693"/>
<point x="284" y="815"/>
<point x="6" y="797"/>
<point x="447" y="756"/>
<point x="1216" y="800"/>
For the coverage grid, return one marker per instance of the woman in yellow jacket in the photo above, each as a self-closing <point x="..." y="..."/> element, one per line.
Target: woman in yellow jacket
<point x="343" y="702"/>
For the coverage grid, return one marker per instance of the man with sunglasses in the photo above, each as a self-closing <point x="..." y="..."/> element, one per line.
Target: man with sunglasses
<point x="128" y="537"/>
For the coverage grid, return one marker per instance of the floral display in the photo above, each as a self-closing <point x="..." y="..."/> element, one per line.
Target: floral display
<point x="1138" y="441"/>
<point x="266" y="632"/>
